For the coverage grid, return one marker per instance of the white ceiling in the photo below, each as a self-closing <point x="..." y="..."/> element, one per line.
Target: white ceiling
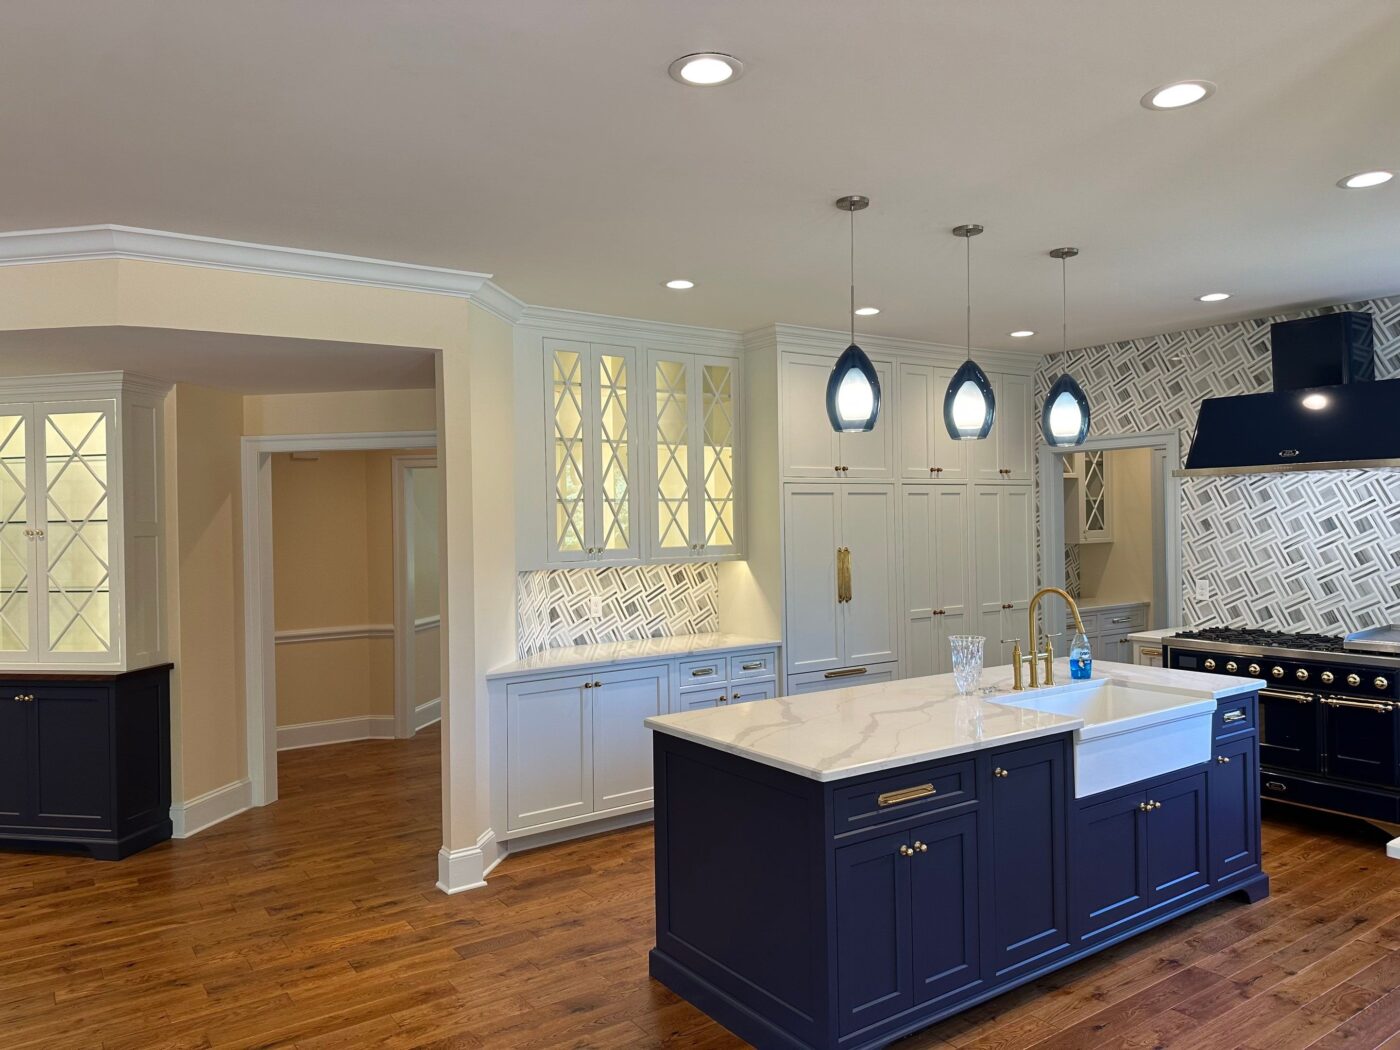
<point x="247" y="364"/>
<point x="543" y="141"/>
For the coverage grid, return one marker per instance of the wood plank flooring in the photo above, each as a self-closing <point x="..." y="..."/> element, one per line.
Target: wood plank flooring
<point x="314" y="923"/>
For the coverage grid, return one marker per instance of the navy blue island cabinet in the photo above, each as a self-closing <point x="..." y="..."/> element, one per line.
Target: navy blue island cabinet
<point x="849" y="913"/>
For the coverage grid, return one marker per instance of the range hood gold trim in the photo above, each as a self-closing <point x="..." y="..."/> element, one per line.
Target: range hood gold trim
<point x="1291" y="468"/>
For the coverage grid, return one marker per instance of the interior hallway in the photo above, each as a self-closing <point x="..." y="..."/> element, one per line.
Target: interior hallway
<point x="313" y="923"/>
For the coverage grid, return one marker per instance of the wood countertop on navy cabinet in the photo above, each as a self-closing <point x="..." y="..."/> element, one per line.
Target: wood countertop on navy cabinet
<point x="842" y="869"/>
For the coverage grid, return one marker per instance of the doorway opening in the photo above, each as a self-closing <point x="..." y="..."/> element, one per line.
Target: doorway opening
<point x="1111" y="535"/>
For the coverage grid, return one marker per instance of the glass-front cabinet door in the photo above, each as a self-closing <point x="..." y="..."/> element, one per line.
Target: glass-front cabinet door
<point x="693" y="405"/>
<point x="592" y="497"/>
<point x="55" y="538"/>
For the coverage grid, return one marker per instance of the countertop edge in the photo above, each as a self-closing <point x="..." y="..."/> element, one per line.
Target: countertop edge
<point x="512" y="670"/>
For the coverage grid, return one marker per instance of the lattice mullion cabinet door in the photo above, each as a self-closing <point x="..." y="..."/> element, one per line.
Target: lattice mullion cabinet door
<point x="717" y="471"/>
<point x="20" y="515"/>
<point x="567" y="473"/>
<point x="613" y="447"/>
<point x="672" y="394"/>
<point x="78" y="498"/>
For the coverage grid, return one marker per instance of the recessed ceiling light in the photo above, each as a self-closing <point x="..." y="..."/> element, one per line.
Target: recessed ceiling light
<point x="680" y="284"/>
<point x="868" y="311"/>
<point x="1316" y="402"/>
<point x="1214" y="297"/>
<point x="1023" y="333"/>
<point x="706" y="69"/>
<point x="1365" y="179"/>
<point x="1182" y="93"/>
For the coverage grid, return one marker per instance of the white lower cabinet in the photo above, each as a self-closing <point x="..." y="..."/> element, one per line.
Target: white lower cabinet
<point x="820" y="681"/>
<point x="830" y="626"/>
<point x="937" y="574"/>
<point x="622" y="701"/>
<point x="1003" y="537"/>
<point x="549" y="760"/>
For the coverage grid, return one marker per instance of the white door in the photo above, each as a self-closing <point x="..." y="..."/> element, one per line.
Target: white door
<point x="869" y="456"/>
<point x="935" y="575"/>
<point x="1015" y="418"/>
<point x="549" y="759"/>
<point x="19" y="548"/>
<point x="745" y="692"/>
<point x="871" y="629"/>
<point x="812" y="532"/>
<point x="671" y="417"/>
<point x="622" y="765"/>
<point x="809" y="443"/>
<point x="984" y="455"/>
<point x="916" y="422"/>
<point x="78" y="524"/>
<point x="613" y="448"/>
<point x="568" y="395"/>
<point x="949" y="454"/>
<point x="715" y="489"/>
<point x="1017" y="536"/>
<point x="991" y="603"/>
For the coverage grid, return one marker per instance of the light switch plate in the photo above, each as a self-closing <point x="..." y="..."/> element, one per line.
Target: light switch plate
<point x="1203" y="592"/>
<point x="595" y="607"/>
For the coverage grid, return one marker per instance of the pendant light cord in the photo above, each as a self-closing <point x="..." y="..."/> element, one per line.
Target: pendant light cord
<point x="853" y="276"/>
<point x="968" y="241"/>
<point x="1064" y="304"/>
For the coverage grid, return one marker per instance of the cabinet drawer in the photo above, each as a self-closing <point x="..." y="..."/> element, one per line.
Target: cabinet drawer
<point x="1236" y="714"/>
<point x="710" y="696"/>
<point x="743" y="692"/>
<point x="862" y="674"/>
<point x="1090" y="621"/>
<point x="707" y="670"/>
<point x="905" y="794"/>
<point x="1131" y="618"/>
<point x="753" y="665"/>
<point x="1112" y="645"/>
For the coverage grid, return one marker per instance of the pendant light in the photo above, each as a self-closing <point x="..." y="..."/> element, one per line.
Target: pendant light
<point x="853" y="391"/>
<point x="969" y="406"/>
<point x="1064" y="420"/>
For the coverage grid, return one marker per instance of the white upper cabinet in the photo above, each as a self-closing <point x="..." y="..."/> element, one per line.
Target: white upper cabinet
<point x="80" y="524"/>
<point x="1088" y="480"/>
<point x="591" y="408"/>
<point x="1003" y="534"/>
<point x="937" y="574"/>
<point x="927" y="452"/>
<point x="810" y="448"/>
<point x="840" y="566"/>
<point x="1005" y="453"/>
<point x="693" y="473"/>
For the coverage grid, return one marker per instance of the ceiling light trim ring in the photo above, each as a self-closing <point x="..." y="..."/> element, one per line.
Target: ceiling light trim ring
<point x="677" y="68"/>
<point x="1149" y="100"/>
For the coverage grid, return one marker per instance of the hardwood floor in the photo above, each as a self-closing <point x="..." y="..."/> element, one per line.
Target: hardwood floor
<point x="314" y="923"/>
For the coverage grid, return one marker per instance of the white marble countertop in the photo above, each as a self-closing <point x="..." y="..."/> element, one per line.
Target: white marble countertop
<point x="566" y="657"/>
<point x="1154" y="635"/>
<point x="866" y="728"/>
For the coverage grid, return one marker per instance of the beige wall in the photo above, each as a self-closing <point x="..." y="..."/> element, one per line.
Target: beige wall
<point x="423" y="513"/>
<point x="341" y="412"/>
<point x="1122" y="571"/>
<point x="204" y="571"/>
<point x="333" y="549"/>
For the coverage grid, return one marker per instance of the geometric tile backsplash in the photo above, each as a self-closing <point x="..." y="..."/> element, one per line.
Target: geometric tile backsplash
<point x="639" y="601"/>
<point x="1315" y="551"/>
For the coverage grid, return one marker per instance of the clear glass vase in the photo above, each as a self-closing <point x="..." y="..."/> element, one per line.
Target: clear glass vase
<point x="967" y="660"/>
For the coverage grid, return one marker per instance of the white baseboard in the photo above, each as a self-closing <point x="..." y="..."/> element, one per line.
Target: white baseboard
<point x="335" y="731"/>
<point x="466" y="869"/>
<point x="426" y="714"/>
<point x="210" y="808"/>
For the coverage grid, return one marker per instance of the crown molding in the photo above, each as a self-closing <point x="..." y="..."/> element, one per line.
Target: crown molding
<point x="82" y="243"/>
<point x="831" y="341"/>
<point x="550" y="320"/>
<point x="495" y="300"/>
<point x="84" y="384"/>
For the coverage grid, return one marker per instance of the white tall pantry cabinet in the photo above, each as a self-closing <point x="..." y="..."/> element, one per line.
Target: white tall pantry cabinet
<point x="892" y="541"/>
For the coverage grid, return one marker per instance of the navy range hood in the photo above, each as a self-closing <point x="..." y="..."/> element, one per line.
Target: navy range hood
<point x="1326" y="412"/>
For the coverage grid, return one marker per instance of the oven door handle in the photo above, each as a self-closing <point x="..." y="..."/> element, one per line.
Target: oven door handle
<point x="1363" y="705"/>
<point x="1283" y="694"/>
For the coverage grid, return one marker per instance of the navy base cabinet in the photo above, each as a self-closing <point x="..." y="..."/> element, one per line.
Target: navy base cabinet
<point x="870" y="907"/>
<point x="85" y="762"/>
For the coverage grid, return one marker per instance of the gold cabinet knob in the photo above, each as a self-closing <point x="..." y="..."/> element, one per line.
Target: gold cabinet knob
<point x="1145" y="806"/>
<point x="999" y="772"/>
<point x="921" y="847"/>
<point x="905" y="851"/>
<point x="1156" y="805"/>
<point x="1353" y="680"/>
<point x="1224" y="760"/>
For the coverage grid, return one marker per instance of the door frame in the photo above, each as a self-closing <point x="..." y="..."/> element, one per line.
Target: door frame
<point x="405" y="620"/>
<point x="1166" y="448"/>
<point x="259" y="660"/>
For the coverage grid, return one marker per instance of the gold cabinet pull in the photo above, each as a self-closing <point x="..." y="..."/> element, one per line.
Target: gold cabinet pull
<point x="999" y="772"/>
<point x="843" y="574"/>
<point x="920" y="847"/>
<point x="909" y="794"/>
<point x="1276" y="694"/>
<point x="1223" y="759"/>
<point x="846" y="672"/>
<point x="905" y="851"/>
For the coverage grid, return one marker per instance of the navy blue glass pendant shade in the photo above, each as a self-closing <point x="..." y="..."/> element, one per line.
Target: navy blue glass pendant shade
<point x="970" y="405"/>
<point x="853" y="393"/>
<point x="1064" y="419"/>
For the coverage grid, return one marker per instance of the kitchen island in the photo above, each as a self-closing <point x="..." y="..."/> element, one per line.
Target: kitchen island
<point x="842" y="869"/>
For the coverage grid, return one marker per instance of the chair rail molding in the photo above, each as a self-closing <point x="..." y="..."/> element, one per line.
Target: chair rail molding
<point x="348" y="632"/>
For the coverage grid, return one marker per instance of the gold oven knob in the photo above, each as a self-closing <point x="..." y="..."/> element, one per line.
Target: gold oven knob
<point x="1353" y="680"/>
<point x="1254" y="670"/>
<point x="1301" y="674"/>
<point x="1232" y="667"/>
<point x="1210" y="665"/>
<point x="1328" y="678"/>
<point x="1277" y="672"/>
<point x="1381" y="682"/>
